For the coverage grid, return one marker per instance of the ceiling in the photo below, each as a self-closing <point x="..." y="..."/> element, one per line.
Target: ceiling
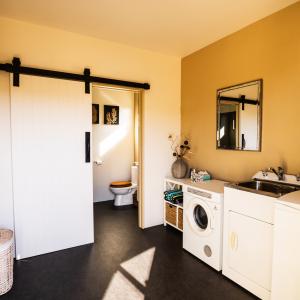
<point x="174" y="27"/>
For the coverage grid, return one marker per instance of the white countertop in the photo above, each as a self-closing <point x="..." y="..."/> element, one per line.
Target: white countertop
<point x="291" y="199"/>
<point x="213" y="185"/>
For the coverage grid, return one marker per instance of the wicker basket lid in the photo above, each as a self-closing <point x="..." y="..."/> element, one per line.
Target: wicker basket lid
<point x="6" y="238"/>
<point x="120" y="184"/>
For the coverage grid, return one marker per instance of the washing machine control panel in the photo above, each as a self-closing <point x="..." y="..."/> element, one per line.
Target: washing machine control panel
<point x="199" y="193"/>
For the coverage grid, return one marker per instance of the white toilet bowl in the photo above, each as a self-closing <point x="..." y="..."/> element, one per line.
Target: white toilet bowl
<point x="123" y="190"/>
<point x="123" y="195"/>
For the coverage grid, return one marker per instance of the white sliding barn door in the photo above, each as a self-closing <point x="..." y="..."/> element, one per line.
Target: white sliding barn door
<point x="53" y="201"/>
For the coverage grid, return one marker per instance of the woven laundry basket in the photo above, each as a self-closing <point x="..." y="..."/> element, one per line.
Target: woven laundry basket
<point x="6" y="260"/>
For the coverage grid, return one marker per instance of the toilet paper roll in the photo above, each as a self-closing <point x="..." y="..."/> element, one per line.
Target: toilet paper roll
<point x="134" y="174"/>
<point x="98" y="162"/>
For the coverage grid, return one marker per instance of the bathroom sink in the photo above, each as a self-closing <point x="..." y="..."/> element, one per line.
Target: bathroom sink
<point x="267" y="187"/>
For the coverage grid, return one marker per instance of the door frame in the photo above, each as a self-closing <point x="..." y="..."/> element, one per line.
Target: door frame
<point x="139" y="109"/>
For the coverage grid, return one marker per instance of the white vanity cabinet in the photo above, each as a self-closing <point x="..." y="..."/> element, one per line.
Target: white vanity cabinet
<point x="286" y="257"/>
<point x="248" y="240"/>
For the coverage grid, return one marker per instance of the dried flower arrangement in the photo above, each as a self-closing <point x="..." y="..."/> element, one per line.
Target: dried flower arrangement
<point x="180" y="149"/>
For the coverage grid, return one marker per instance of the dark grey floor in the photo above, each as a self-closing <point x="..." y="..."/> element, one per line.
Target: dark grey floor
<point x="85" y="272"/>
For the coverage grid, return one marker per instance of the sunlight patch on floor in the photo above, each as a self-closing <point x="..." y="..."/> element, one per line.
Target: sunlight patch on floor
<point x="139" y="267"/>
<point x="137" y="272"/>
<point x="121" y="288"/>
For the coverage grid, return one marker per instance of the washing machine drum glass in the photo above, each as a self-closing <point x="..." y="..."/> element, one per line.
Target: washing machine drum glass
<point x="200" y="217"/>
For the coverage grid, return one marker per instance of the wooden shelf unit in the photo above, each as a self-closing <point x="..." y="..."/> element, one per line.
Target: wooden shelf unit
<point x="173" y="213"/>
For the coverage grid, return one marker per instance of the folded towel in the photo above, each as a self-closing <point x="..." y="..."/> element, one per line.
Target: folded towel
<point x="170" y="192"/>
<point x="176" y="200"/>
<point x="174" y="196"/>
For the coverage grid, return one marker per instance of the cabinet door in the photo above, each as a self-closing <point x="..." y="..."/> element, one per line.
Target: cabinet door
<point x="250" y="248"/>
<point x="286" y="258"/>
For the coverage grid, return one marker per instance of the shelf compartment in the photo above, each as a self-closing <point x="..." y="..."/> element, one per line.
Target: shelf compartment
<point x="171" y="213"/>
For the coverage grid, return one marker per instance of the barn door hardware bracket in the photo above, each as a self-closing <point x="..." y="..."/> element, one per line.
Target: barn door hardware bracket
<point x="87" y="81"/>
<point x="16" y="64"/>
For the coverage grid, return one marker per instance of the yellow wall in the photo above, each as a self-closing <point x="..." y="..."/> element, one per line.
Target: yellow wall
<point x="268" y="49"/>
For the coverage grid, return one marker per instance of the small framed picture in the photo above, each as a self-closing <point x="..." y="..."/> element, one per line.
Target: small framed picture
<point x="111" y="115"/>
<point x="95" y="113"/>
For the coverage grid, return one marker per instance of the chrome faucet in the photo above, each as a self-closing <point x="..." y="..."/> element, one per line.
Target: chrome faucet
<point x="279" y="172"/>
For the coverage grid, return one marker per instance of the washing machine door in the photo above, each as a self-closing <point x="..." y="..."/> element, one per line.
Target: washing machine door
<point x="199" y="216"/>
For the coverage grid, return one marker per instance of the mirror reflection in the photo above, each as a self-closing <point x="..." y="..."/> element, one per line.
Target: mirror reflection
<point x="239" y="110"/>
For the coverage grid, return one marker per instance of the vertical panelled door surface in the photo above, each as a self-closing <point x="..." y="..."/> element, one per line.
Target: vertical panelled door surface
<point x="53" y="201"/>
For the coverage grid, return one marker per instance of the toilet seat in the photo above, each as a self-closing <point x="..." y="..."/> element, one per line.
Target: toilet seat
<point x="120" y="184"/>
<point x="123" y="193"/>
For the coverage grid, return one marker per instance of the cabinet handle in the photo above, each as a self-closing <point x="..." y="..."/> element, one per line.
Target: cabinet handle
<point x="233" y="241"/>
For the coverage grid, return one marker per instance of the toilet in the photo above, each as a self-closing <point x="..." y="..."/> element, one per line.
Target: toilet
<point x="123" y="190"/>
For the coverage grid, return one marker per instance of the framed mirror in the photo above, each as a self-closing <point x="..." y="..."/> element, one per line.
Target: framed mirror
<point x="239" y="116"/>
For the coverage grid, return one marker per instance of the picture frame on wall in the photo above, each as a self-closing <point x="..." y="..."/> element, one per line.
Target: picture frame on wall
<point x="111" y="115"/>
<point x="95" y="114"/>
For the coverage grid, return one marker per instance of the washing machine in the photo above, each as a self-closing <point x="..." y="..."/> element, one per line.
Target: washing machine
<point x="202" y="221"/>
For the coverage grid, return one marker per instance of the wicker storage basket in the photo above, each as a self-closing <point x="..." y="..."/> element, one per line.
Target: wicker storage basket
<point x="171" y="213"/>
<point x="6" y="260"/>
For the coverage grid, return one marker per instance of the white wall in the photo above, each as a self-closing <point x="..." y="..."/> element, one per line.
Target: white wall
<point x="112" y="144"/>
<point x="60" y="50"/>
<point x="6" y="203"/>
